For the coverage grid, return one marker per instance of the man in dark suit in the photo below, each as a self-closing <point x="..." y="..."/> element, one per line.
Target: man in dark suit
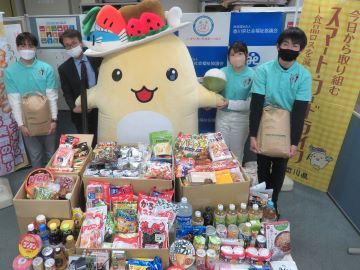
<point x="70" y="73"/>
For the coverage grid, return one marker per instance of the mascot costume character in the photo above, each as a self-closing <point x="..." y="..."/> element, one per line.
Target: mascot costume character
<point x="147" y="80"/>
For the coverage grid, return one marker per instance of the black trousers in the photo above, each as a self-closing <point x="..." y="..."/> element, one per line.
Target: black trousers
<point x="92" y="123"/>
<point x="272" y="171"/>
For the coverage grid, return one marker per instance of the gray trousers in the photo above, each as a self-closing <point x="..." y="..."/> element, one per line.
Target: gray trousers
<point x="40" y="149"/>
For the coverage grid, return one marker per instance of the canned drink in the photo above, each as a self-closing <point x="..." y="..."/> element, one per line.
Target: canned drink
<point x="239" y="254"/>
<point x="200" y="259"/>
<point x="210" y="231"/>
<point x="50" y="264"/>
<point x="226" y="253"/>
<point x="251" y="255"/>
<point x="38" y="263"/>
<point x="47" y="253"/>
<point x="233" y="232"/>
<point x="210" y="259"/>
<point x="221" y="231"/>
<point x="260" y="241"/>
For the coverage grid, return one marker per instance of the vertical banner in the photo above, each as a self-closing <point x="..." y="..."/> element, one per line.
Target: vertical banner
<point x="332" y="56"/>
<point x="12" y="150"/>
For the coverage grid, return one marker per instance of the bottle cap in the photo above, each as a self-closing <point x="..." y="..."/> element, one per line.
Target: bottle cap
<point x="220" y="207"/>
<point x="197" y="214"/>
<point x="184" y="200"/>
<point x="65" y="227"/>
<point x="232" y="206"/>
<point x="57" y="250"/>
<point x="243" y="205"/>
<point x="53" y="226"/>
<point x="270" y="203"/>
<point x="30" y="227"/>
<point x="255" y="207"/>
<point x="42" y="227"/>
<point x="248" y="224"/>
<point x="40" y="219"/>
<point x="69" y="238"/>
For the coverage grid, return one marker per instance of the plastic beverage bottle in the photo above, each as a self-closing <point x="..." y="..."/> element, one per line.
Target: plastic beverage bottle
<point x="60" y="259"/>
<point x="44" y="235"/>
<point x="184" y="217"/>
<point x="70" y="246"/>
<point x="243" y="215"/>
<point x="208" y="216"/>
<point x="198" y="220"/>
<point x="231" y="215"/>
<point x="269" y="213"/>
<point x="65" y="230"/>
<point x="254" y="213"/>
<point x="55" y="237"/>
<point x="31" y="229"/>
<point x="246" y="234"/>
<point x="219" y="215"/>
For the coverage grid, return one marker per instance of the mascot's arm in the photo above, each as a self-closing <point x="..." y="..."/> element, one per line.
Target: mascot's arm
<point x="208" y="98"/>
<point x="91" y="98"/>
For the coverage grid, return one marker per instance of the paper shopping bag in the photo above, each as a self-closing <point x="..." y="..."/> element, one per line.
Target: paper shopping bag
<point x="273" y="137"/>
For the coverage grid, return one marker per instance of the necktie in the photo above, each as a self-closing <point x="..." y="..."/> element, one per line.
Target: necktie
<point x="84" y="76"/>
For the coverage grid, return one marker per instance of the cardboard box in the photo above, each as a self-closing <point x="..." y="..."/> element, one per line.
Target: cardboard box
<point x="139" y="185"/>
<point x="211" y="195"/>
<point x="163" y="253"/>
<point x="88" y="138"/>
<point x="27" y="210"/>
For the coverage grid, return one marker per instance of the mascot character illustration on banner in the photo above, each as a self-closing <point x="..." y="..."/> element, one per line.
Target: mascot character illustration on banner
<point x="147" y="80"/>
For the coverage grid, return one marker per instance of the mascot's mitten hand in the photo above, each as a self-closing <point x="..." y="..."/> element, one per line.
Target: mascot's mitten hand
<point x="214" y="80"/>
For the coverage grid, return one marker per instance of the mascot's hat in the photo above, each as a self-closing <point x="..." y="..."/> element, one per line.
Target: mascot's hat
<point x="108" y="30"/>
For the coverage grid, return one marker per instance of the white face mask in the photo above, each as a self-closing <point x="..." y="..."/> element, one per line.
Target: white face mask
<point x="237" y="61"/>
<point x="74" y="52"/>
<point x="27" y="54"/>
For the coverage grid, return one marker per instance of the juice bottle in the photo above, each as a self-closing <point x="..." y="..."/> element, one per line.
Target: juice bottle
<point x="184" y="217"/>
<point x="246" y="234"/>
<point x="31" y="229"/>
<point x="208" y="216"/>
<point x="231" y="215"/>
<point x="269" y="213"/>
<point x="55" y="237"/>
<point x="70" y="245"/>
<point x="254" y="213"/>
<point x="242" y="214"/>
<point x="198" y="219"/>
<point x="44" y="235"/>
<point x="65" y="230"/>
<point x="219" y="215"/>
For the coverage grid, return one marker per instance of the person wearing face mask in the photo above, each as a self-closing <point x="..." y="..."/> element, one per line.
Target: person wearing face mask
<point x="32" y="75"/>
<point x="70" y="78"/>
<point x="285" y="83"/>
<point x="233" y="120"/>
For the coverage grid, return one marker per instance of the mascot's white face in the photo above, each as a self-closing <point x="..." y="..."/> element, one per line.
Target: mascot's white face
<point x="147" y="88"/>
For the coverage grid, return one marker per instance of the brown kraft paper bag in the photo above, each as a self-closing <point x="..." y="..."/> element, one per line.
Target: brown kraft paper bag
<point x="36" y="113"/>
<point x="273" y="136"/>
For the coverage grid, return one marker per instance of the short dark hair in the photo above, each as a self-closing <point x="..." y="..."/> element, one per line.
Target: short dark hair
<point x="238" y="46"/>
<point x="70" y="33"/>
<point x="24" y="37"/>
<point x="295" y="34"/>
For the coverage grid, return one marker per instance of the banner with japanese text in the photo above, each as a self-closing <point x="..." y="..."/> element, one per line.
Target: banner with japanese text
<point x="12" y="150"/>
<point x="332" y="56"/>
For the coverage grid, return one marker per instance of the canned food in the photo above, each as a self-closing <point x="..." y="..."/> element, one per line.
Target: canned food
<point x="233" y="231"/>
<point x="199" y="242"/>
<point x="226" y="253"/>
<point x="251" y="255"/>
<point x="260" y="241"/>
<point x="221" y="231"/>
<point x="239" y="254"/>
<point x="38" y="263"/>
<point x="200" y="259"/>
<point x="47" y="253"/>
<point x="264" y="255"/>
<point x="210" y="259"/>
<point x="50" y="264"/>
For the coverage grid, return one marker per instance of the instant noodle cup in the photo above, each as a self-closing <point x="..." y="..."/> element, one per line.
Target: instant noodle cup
<point x="182" y="253"/>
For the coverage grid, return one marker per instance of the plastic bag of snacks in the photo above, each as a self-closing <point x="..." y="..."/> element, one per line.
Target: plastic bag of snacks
<point x="183" y="166"/>
<point x="217" y="147"/>
<point x="146" y="204"/>
<point x="145" y="264"/>
<point x="64" y="158"/>
<point x="158" y="170"/>
<point x="164" y="208"/>
<point x="166" y="194"/>
<point x="66" y="185"/>
<point x="153" y="232"/>
<point x="126" y="215"/>
<point x="191" y="146"/>
<point x="128" y="240"/>
<point x="92" y="230"/>
<point x="161" y="143"/>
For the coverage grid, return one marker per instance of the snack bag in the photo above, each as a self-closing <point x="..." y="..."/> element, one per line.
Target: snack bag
<point x="64" y="157"/>
<point x="217" y="147"/>
<point x="166" y="194"/>
<point x="191" y="146"/>
<point x="126" y="217"/>
<point x="161" y="143"/>
<point x="92" y="230"/>
<point x="183" y="166"/>
<point x="158" y="170"/>
<point x="166" y="209"/>
<point x="66" y="185"/>
<point x="146" y="204"/>
<point x="153" y="232"/>
<point x="128" y="240"/>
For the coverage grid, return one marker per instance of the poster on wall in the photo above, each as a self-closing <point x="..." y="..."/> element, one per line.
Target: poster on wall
<point x="50" y="29"/>
<point x="333" y="56"/>
<point x="11" y="31"/>
<point x="12" y="150"/>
